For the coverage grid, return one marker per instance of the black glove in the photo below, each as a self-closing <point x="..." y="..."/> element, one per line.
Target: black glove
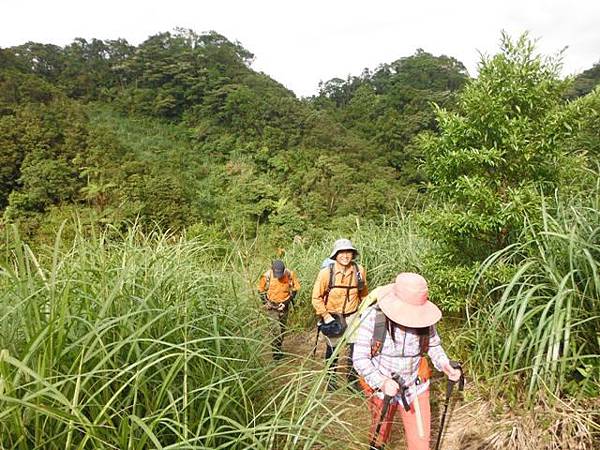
<point x="292" y="297"/>
<point x="263" y="297"/>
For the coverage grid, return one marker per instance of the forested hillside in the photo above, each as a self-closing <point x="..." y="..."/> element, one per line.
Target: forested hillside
<point x="143" y="190"/>
<point x="228" y="146"/>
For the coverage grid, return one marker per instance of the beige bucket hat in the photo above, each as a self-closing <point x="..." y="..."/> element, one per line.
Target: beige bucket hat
<point x="342" y="244"/>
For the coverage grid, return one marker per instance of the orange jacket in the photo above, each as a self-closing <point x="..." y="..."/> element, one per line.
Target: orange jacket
<point x="337" y="295"/>
<point x="278" y="290"/>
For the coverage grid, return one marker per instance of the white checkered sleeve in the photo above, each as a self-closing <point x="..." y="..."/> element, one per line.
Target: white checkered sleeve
<point x="436" y="352"/>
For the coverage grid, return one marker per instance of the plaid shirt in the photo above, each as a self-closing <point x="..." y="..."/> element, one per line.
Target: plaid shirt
<point x="400" y="356"/>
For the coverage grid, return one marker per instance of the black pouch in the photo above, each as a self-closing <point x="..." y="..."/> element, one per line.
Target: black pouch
<point x="335" y="328"/>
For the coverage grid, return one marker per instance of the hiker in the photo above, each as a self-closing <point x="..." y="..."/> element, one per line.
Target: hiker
<point x="394" y="335"/>
<point x="277" y="288"/>
<point x="336" y="295"/>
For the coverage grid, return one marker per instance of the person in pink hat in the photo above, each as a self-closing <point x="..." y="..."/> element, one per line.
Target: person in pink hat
<point x="394" y="335"/>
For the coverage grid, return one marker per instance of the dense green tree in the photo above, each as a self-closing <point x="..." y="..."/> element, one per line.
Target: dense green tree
<point x="44" y="182"/>
<point x="45" y="60"/>
<point x="18" y="88"/>
<point x="495" y="156"/>
<point x="176" y="71"/>
<point x="503" y="143"/>
<point x="42" y="146"/>
<point x="156" y="199"/>
<point x="11" y="157"/>
<point x="390" y="106"/>
<point x="421" y="71"/>
<point x="88" y="68"/>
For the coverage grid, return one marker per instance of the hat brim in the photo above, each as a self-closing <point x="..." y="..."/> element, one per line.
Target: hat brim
<point x="413" y="316"/>
<point x="343" y="249"/>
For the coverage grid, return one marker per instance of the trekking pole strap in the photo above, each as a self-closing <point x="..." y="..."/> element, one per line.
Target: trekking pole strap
<point x="403" y="390"/>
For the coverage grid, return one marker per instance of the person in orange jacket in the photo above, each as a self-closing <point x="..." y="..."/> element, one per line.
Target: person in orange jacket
<point x="278" y="288"/>
<point x="336" y="296"/>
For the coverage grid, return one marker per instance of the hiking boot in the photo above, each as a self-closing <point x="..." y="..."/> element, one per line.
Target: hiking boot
<point x="328" y="352"/>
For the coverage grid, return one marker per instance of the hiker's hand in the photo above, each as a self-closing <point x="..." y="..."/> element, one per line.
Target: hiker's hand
<point x="327" y="318"/>
<point x="263" y="297"/>
<point x="281" y="307"/>
<point x="390" y="387"/>
<point x="453" y="374"/>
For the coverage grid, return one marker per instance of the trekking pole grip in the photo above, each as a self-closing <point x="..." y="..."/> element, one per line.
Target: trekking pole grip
<point x="461" y="380"/>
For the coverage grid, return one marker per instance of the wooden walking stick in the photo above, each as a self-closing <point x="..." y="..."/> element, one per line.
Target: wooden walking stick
<point x="419" y="417"/>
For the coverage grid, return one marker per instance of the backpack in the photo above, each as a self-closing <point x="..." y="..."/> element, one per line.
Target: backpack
<point x="327" y="262"/>
<point x="360" y="283"/>
<point x="285" y="273"/>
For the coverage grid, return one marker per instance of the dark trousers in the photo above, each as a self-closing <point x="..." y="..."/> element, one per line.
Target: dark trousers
<point x="278" y="328"/>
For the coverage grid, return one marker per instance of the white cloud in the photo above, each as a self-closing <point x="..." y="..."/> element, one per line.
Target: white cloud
<point x="300" y="43"/>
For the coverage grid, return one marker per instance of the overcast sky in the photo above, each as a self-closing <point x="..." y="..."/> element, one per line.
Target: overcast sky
<point x="300" y="43"/>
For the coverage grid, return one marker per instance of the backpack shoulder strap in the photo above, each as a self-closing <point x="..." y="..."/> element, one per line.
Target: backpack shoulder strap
<point x="424" y="341"/>
<point x="330" y="283"/>
<point x="360" y="283"/>
<point x="268" y="279"/>
<point x="379" y="332"/>
<point x="331" y="276"/>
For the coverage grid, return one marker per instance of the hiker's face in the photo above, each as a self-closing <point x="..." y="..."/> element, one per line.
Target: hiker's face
<point x="344" y="257"/>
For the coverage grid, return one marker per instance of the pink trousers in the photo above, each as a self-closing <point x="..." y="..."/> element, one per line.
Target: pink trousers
<point x="409" y="420"/>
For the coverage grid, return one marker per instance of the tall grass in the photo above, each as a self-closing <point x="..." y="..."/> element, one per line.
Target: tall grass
<point x="542" y="332"/>
<point x="144" y="342"/>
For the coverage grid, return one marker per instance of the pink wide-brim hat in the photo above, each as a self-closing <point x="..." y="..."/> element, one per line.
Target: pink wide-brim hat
<point x="406" y="302"/>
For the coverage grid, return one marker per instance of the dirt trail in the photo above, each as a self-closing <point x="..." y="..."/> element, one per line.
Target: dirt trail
<point x="465" y="421"/>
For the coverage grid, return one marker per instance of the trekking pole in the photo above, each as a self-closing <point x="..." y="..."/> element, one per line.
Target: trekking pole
<point x="449" y="387"/>
<point x="386" y="404"/>
<point x="384" y="409"/>
<point x="314" y="352"/>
